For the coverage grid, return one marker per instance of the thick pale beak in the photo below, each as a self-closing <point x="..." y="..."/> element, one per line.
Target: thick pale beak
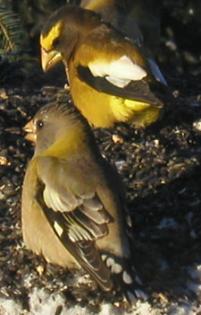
<point x="30" y="129"/>
<point x="49" y="59"/>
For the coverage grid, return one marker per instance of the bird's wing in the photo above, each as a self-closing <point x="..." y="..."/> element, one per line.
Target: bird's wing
<point x="126" y="18"/>
<point x="121" y="77"/>
<point x="79" y="228"/>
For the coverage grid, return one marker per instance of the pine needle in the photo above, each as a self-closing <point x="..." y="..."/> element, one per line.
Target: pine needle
<point x="12" y="34"/>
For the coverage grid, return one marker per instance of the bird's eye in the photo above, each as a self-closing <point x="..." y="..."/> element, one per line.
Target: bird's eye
<point x="56" y="42"/>
<point x="39" y="124"/>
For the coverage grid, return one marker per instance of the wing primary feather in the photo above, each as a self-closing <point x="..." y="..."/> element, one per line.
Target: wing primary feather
<point x="96" y="230"/>
<point x="79" y="251"/>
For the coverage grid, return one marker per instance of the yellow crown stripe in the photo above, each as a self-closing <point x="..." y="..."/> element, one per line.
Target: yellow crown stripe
<point x="47" y="41"/>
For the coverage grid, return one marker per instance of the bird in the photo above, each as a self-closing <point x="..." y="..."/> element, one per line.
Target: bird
<point x="110" y="79"/>
<point x="73" y="204"/>
<point x="139" y="20"/>
<point x="117" y="13"/>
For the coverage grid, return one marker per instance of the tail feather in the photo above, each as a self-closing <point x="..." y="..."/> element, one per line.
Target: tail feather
<point x="125" y="278"/>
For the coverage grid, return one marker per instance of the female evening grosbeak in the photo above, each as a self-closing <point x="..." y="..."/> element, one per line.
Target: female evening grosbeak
<point x="72" y="203"/>
<point x="110" y="80"/>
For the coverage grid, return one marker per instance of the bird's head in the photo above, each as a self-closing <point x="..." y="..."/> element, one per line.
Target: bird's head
<point x="61" y="33"/>
<point x="57" y="128"/>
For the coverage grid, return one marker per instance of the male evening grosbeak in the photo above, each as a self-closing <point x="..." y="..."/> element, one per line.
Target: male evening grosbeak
<point x="137" y="19"/>
<point x="118" y="14"/>
<point x="110" y="80"/>
<point x="72" y="201"/>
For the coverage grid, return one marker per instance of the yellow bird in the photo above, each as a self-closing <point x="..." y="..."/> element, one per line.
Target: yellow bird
<point x="118" y="14"/>
<point x="72" y="201"/>
<point x="110" y="79"/>
<point x="137" y="19"/>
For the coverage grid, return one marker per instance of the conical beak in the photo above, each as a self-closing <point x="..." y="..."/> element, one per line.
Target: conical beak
<point x="30" y="129"/>
<point x="49" y="59"/>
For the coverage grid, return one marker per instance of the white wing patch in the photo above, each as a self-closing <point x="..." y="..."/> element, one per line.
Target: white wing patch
<point x="58" y="228"/>
<point x="52" y="199"/>
<point x="56" y="202"/>
<point x="119" y="72"/>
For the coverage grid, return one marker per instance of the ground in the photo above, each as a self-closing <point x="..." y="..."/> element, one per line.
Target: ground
<point x="160" y="167"/>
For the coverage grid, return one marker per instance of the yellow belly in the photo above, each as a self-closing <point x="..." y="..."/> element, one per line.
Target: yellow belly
<point x="104" y="110"/>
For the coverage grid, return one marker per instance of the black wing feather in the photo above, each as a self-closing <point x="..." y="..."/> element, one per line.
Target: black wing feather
<point x="136" y="90"/>
<point x="84" y="251"/>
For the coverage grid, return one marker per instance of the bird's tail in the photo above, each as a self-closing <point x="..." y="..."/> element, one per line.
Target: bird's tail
<point x="125" y="278"/>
